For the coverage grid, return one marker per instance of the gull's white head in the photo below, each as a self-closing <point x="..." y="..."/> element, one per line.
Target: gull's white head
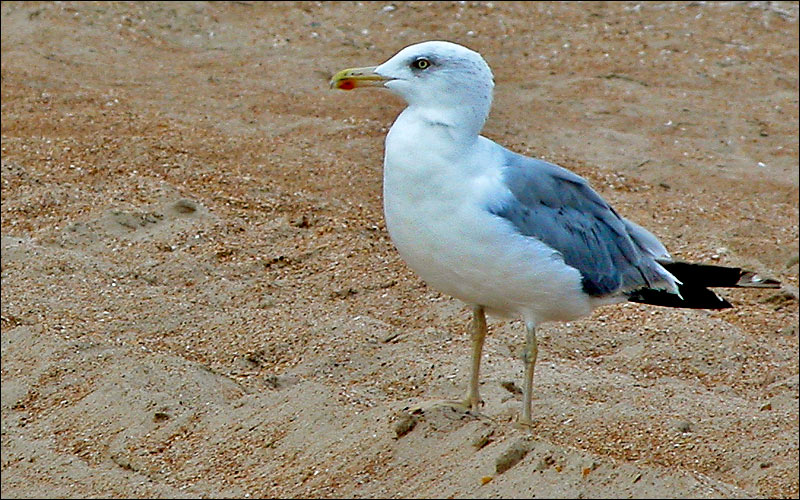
<point x="438" y="74"/>
<point x="435" y="75"/>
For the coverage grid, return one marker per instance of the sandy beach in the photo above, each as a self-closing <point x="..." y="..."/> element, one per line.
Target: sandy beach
<point x="200" y="298"/>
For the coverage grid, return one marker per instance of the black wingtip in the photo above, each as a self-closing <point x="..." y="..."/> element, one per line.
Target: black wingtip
<point x="691" y="297"/>
<point x="710" y="276"/>
<point x="695" y="281"/>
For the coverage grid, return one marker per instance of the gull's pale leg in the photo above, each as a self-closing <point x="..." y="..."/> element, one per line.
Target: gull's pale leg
<point x="473" y="399"/>
<point x="477" y="334"/>
<point x="529" y="358"/>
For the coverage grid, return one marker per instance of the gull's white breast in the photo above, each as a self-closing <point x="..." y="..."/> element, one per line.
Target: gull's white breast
<point x="437" y="191"/>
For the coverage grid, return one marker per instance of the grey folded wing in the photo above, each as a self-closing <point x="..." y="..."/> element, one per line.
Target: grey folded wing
<point x="560" y="209"/>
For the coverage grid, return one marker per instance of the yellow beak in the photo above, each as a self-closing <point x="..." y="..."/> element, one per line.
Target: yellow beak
<point x="348" y="79"/>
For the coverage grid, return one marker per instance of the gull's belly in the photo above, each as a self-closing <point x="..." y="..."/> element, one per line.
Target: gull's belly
<point x="464" y="251"/>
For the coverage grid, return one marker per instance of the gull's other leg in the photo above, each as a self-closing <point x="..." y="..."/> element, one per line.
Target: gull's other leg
<point x="529" y="358"/>
<point x="477" y="334"/>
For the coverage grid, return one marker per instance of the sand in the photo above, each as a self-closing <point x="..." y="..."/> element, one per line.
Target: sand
<point x="200" y="298"/>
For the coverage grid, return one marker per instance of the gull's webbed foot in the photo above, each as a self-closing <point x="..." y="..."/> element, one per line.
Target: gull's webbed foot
<point x="463" y="406"/>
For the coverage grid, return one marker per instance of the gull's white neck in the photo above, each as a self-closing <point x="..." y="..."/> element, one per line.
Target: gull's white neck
<point x="449" y="129"/>
<point x="430" y="154"/>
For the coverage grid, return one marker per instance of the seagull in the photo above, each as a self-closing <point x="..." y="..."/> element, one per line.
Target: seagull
<point x="509" y="235"/>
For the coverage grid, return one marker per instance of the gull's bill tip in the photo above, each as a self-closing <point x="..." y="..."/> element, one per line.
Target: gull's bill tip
<point x="351" y="78"/>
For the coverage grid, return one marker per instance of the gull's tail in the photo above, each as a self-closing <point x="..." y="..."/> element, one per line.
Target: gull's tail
<point x="696" y="279"/>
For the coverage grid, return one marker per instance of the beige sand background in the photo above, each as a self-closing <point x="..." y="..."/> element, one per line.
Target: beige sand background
<point x="200" y="299"/>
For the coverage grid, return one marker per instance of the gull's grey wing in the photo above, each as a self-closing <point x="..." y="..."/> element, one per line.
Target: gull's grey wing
<point x="647" y="242"/>
<point x="560" y="209"/>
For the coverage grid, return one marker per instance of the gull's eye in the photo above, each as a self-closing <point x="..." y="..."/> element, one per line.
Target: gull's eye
<point x="421" y="63"/>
